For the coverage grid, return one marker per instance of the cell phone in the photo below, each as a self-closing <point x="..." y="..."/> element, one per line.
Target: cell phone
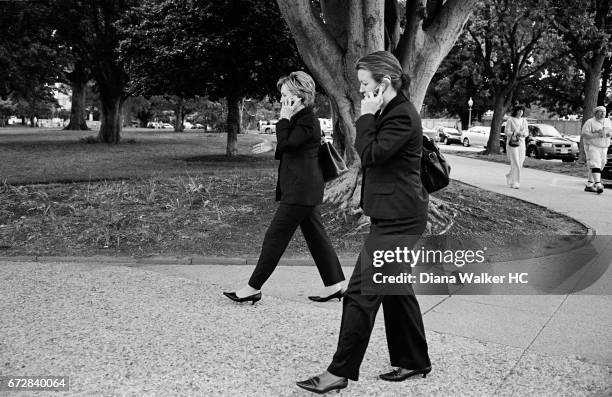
<point x="379" y="89"/>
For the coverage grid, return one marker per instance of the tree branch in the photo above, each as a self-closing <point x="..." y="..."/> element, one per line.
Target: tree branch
<point x="392" y="25"/>
<point x="335" y="13"/>
<point x="316" y="44"/>
<point x="451" y="17"/>
<point x="366" y="30"/>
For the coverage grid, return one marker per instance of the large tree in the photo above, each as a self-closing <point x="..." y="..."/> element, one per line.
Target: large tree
<point x="457" y="80"/>
<point x="89" y="28"/>
<point x="78" y="76"/>
<point x="331" y="35"/>
<point x="30" y="58"/>
<point x="513" y="41"/>
<point x="228" y="49"/>
<point x="585" y="26"/>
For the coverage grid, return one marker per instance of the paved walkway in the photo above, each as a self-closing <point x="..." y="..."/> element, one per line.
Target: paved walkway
<point x="165" y="329"/>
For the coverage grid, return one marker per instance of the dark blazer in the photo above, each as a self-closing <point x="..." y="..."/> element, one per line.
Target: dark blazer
<point x="300" y="180"/>
<point x="390" y="144"/>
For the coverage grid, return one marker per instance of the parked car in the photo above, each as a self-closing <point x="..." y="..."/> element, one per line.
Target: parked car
<point x="573" y="138"/>
<point x="167" y="126"/>
<point x="477" y="136"/>
<point x="154" y="124"/>
<point x="187" y="125"/>
<point x="198" y="126"/>
<point x="449" y="135"/>
<point x="268" y="127"/>
<point x="431" y="134"/>
<point x="326" y="126"/>
<point x="545" y="142"/>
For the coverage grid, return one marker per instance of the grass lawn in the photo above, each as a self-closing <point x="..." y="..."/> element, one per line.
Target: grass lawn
<point x="44" y="155"/>
<point x="176" y="194"/>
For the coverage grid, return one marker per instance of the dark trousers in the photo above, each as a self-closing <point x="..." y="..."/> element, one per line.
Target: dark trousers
<point x="403" y="321"/>
<point x="286" y="220"/>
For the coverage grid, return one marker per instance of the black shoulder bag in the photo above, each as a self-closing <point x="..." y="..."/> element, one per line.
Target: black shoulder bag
<point x="435" y="170"/>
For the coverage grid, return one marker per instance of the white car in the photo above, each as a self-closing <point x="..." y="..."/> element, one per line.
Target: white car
<point x="476" y="136"/>
<point x="430" y="133"/>
<point x="267" y="127"/>
<point x="327" y="126"/>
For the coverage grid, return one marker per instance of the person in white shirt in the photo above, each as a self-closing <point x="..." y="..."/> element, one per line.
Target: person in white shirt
<point x="596" y="133"/>
<point x="516" y="130"/>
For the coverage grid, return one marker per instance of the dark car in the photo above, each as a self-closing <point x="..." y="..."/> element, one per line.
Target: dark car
<point x="545" y="142"/>
<point x="449" y="135"/>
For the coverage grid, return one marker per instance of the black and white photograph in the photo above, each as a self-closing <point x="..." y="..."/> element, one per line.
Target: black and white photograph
<point x="306" y="197"/>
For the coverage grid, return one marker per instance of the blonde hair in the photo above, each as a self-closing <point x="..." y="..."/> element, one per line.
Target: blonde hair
<point x="299" y="84"/>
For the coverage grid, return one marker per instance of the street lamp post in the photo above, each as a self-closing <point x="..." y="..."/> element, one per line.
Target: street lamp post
<point x="470" y="103"/>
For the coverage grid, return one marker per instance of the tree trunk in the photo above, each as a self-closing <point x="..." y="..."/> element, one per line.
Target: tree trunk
<point x="605" y="78"/>
<point x="499" y="110"/>
<point x="178" y="112"/>
<point x="592" y="78"/>
<point x="32" y="125"/>
<point x="330" y="52"/>
<point x="423" y="46"/>
<point x="110" y="118"/>
<point x="351" y="30"/>
<point x="78" y="81"/>
<point x="233" y="125"/>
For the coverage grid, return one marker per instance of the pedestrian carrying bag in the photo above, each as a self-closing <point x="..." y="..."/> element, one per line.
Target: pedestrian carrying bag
<point x="331" y="161"/>
<point x="514" y="141"/>
<point x="435" y="170"/>
<point x="514" y="138"/>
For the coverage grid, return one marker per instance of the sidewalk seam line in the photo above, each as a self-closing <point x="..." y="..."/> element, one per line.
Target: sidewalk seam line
<point x="530" y="344"/>
<point x="437" y="304"/>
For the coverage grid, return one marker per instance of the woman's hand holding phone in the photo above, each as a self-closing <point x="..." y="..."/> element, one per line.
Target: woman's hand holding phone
<point x="372" y="101"/>
<point x="289" y="107"/>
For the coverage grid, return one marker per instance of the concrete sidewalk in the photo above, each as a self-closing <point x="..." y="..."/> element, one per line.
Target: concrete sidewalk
<point x="560" y="193"/>
<point x="165" y="329"/>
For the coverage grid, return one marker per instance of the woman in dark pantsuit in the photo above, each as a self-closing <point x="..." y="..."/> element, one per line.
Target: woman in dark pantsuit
<point x="389" y="143"/>
<point x="299" y="189"/>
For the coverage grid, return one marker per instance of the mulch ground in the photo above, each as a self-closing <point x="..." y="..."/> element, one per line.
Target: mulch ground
<point x="175" y="194"/>
<point x="224" y="215"/>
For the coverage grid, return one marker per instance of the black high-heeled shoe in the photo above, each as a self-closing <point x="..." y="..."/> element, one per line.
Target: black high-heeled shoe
<point x="402" y="374"/>
<point x="337" y="294"/>
<point x="251" y="298"/>
<point x="314" y="385"/>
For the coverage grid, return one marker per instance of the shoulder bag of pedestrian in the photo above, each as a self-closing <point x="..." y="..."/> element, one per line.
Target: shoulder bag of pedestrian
<point x="514" y="140"/>
<point x="435" y="170"/>
<point x="330" y="160"/>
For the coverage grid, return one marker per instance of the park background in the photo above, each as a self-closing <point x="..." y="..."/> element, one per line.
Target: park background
<point x="116" y="240"/>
